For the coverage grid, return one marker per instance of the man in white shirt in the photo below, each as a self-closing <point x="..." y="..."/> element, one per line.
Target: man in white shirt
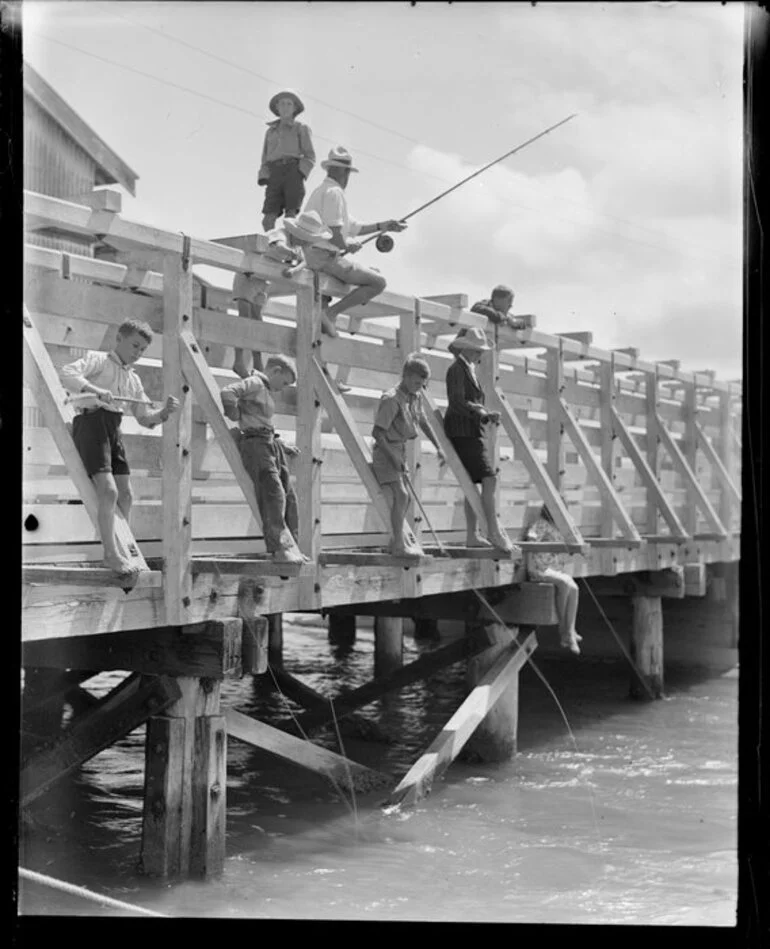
<point x="329" y="201"/>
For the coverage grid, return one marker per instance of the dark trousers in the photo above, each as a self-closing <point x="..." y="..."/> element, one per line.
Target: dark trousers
<point x="264" y="460"/>
<point x="285" y="189"/>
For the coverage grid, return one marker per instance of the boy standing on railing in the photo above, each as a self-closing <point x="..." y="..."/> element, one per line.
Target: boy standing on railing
<point x="463" y="421"/>
<point x="398" y="419"/>
<point x="250" y="403"/>
<point x="112" y="384"/>
<point x="496" y="309"/>
<point x="287" y="159"/>
<point x="549" y="567"/>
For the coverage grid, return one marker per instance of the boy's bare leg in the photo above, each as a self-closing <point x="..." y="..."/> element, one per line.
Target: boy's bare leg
<point x="398" y="502"/>
<point x="489" y="502"/>
<point x="244" y="360"/>
<point x="125" y="494"/>
<point x="473" y="537"/>
<point x="268" y="221"/>
<point x="107" y="498"/>
<point x="566" y="606"/>
<point x="357" y="297"/>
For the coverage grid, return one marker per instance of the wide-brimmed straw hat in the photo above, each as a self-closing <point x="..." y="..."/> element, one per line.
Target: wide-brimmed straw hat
<point x="339" y="157"/>
<point x="470" y="337"/>
<point x="309" y="227"/>
<point x="299" y="106"/>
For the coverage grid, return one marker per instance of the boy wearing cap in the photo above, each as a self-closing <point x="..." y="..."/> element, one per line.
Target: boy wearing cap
<point x="399" y="417"/>
<point x="496" y="308"/>
<point x="329" y="201"/>
<point x="287" y="159"/>
<point x="463" y="421"/>
<point x="250" y="403"/>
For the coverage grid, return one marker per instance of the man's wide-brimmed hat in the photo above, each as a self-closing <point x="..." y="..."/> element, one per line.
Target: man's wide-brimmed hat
<point x="299" y="106"/>
<point x="309" y="227"/>
<point x="339" y="157"/>
<point x="470" y="337"/>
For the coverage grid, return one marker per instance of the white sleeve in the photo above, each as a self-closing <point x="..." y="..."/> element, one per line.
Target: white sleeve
<point x="75" y="374"/>
<point x="333" y="209"/>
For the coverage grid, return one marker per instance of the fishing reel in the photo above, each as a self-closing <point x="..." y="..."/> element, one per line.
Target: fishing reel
<point x="384" y="243"/>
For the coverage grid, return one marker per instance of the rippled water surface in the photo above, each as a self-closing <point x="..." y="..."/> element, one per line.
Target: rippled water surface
<point x="633" y="821"/>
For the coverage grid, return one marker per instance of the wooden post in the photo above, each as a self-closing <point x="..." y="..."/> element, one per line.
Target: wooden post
<point x="275" y="639"/>
<point x="607" y="395"/>
<point x="342" y="629"/>
<point x="689" y="449"/>
<point x="254" y="645"/>
<point x="185" y="779"/>
<point x="647" y="645"/>
<point x="388" y="644"/>
<point x="724" y="448"/>
<point x="653" y="453"/>
<point x="554" y="385"/>
<point x="308" y="424"/>
<point x="177" y="443"/>
<point x="488" y="377"/>
<point x="495" y="738"/>
<point x="409" y="342"/>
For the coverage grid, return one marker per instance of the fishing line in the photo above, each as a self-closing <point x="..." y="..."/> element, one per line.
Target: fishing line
<point x="442" y="547"/>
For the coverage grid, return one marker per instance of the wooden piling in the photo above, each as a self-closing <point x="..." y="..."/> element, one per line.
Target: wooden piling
<point x="647" y="645"/>
<point x="275" y="639"/>
<point x="495" y="737"/>
<point x="342" y="629"/>
<point x="183" y="827"/>
<point x="388" y="644"/>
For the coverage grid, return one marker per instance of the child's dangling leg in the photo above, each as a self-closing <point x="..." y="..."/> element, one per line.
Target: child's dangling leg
<point x="566" y="606"/>
<point x="107" y="497"/>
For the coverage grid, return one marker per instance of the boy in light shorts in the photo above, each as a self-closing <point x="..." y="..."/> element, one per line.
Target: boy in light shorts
<point x="398" y="419"/>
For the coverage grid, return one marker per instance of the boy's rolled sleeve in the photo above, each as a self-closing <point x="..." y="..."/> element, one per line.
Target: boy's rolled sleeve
<point x="307" y="161"/>
<point x="485" y="309"/>
<point x="386" y="414"/>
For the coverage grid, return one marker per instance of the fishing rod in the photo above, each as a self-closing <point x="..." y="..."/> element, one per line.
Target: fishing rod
<point x="385" y="242"/>
<point x="91" y="398"/>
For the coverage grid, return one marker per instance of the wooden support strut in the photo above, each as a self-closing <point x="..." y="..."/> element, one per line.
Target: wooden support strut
<point x="353" y="442"/>
<point x="121" y="711"/>
<point x="177" y="442"/>
<point x="536" y="470"/>
<point x="686" y="472"/>
<point x="417" y="782"/>
<point x="49" y="395"/>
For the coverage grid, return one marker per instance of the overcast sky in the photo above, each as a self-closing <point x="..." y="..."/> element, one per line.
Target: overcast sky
<point x="625" y="222"/>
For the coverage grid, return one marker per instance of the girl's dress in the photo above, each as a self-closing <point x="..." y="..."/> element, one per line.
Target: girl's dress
<point x="537" y="563"/>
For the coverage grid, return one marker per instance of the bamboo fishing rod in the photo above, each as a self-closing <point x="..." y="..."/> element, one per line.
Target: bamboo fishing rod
<point x="385" y="242"/>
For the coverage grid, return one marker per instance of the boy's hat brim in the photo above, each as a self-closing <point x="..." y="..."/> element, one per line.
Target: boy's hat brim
<point x="327" y="163"/>
<point x="299" y="105"/>
<point x="471" y="338"/>
<point x="316" y="238"/>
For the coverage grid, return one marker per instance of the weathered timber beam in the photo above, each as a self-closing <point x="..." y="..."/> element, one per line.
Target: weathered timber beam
<point x="345" y="703"/>
<point x="666" y="583"/>
<point x="120" y="712"/>
<point x="417" y="782"/>
<point x="90" y="577"/>
<point x="250" y="567"/>
<point x="342" y="772"/>
<point x="210" y="649"/>
<point x="695" y="580"/>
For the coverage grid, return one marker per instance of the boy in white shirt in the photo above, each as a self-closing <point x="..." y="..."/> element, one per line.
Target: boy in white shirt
<point x="108" y="376"/>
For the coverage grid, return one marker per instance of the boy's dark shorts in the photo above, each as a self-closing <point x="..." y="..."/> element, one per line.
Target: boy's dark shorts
<point x="285" y="190"/>
<point x="98" y="439"/>
<point x="474" y="456"/>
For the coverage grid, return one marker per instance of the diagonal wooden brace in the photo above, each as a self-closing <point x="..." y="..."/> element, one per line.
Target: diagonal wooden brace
<point x="49" y="394"/>
<point x="456" y="466"/>
<point x="688" y="476"/>
<point x="417" y="782"/>
<point x="649" y="479"/>
<point x="717" y="464"/>
<point x="345" y="426"/>
<point x="536" y="469"/>
<point x="598" y="474"/>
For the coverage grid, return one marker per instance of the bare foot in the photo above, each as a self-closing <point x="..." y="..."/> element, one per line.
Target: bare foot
<point x="120" y="566"/>
<point x="289" y="555"/>
<point x="342" y="387"/>
<point x="477" y="541"/>
<point x="410" y="553"/>
<point x="570" y="642"/>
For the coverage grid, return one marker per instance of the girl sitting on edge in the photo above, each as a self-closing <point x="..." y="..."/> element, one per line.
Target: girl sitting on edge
<point x="548" y="567"/>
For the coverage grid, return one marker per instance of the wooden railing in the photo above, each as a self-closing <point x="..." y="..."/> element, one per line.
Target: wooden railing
<point x="622" y="449"/>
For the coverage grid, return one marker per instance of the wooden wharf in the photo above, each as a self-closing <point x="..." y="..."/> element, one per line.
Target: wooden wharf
<point x="638" y="461"/>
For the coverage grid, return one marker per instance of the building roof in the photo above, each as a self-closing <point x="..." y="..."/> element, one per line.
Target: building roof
<point x="112" y="168"/>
